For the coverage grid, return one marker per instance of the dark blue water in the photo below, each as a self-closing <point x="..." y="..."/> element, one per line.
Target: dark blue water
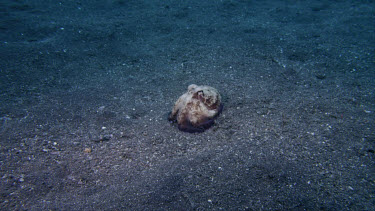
<point x="86" y="88"/>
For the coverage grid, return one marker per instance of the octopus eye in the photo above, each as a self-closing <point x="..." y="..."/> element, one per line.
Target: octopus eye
<point x="200" y="95"/>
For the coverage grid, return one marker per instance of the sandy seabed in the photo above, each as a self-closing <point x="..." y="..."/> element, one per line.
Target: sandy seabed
<point x="86" y="88"/>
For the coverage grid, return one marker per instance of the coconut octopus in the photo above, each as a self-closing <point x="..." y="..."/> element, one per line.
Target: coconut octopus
<point x="196" y="110"/>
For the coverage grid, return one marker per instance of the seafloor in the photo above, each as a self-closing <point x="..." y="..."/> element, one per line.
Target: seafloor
<point x="86" y="87"/>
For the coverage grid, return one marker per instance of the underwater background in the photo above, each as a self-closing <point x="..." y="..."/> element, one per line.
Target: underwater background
<point x="86" y="87"/>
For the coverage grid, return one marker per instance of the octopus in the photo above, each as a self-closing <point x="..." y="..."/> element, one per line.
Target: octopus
<point x="196" y="110"/>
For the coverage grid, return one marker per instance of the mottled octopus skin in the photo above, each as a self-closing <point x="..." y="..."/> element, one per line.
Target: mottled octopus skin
<point x="196" y="110"/>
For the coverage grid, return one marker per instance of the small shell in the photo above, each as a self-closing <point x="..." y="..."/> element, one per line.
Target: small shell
<point x="196" y="110"/>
